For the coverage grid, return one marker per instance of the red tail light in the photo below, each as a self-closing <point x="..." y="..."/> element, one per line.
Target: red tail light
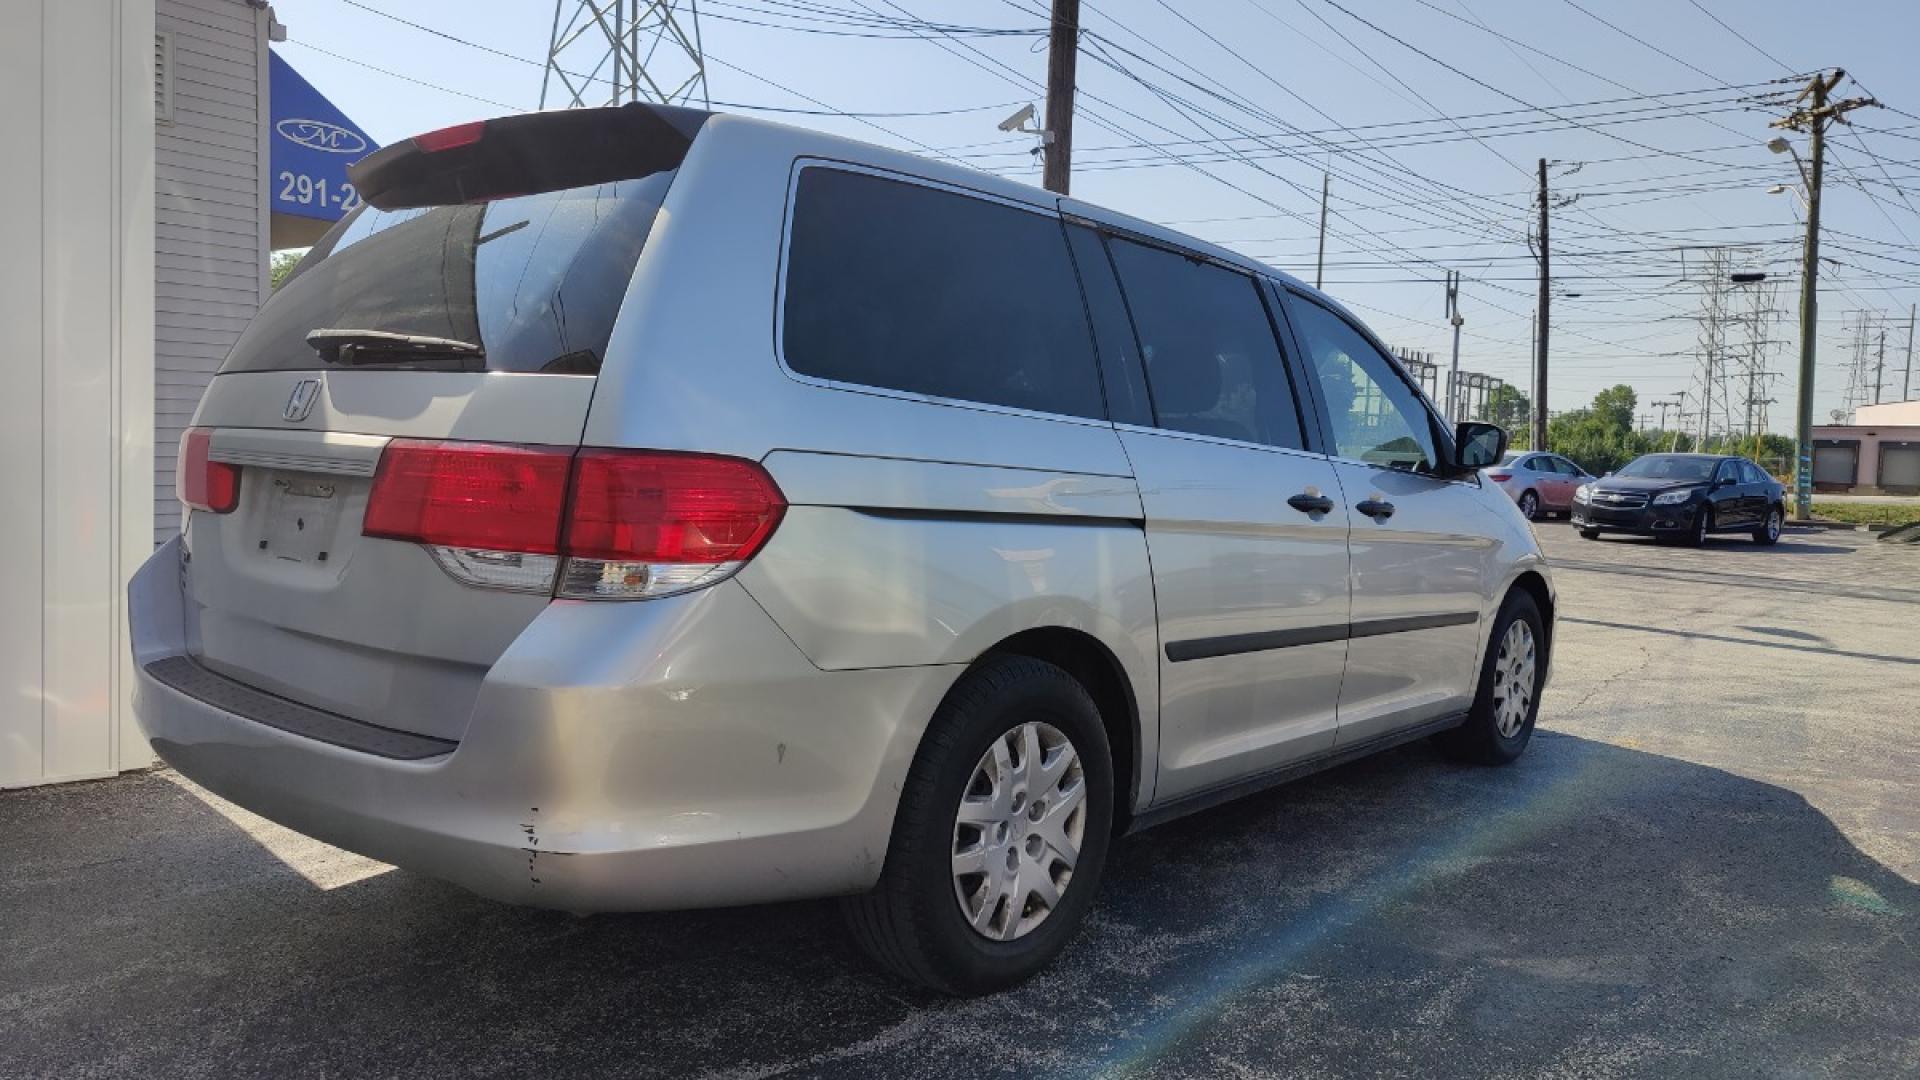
<point x="1499" y="477"/>
<point x="213" y="486"/>
<point x="628" y="523"/>
<point x="470" y="495"/>
<point x="646" y="506"/>
<point x="448" y="138"/>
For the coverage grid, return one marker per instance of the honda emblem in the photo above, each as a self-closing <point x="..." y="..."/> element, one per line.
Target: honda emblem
<point x="300" y="402"/>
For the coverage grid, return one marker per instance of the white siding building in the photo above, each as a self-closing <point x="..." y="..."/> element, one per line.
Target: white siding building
<point x="133" y="219"/>
<point x="210" y="211"/>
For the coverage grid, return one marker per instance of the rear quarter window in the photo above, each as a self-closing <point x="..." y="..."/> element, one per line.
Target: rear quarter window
<point x="906" y="287"/>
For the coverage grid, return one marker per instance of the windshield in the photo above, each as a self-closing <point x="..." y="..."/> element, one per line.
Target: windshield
<point x="533" y="282"/>
<point x="1670" y="467"/>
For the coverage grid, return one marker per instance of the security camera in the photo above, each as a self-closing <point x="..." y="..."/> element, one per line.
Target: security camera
<point x="1018" y="121"/>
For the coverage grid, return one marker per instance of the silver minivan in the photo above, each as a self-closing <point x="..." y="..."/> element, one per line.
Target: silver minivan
<point x="642" y="508"/>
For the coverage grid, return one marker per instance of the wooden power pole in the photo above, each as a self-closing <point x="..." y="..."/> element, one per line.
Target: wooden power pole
<point x="1812" y="113"/>
<point x="1540" y="330"/>
<point x="1063" y="52"/>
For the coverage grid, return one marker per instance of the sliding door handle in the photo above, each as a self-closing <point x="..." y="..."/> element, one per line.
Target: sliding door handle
<point x="1308" y="503"/>
<point x="1375" y="509"/>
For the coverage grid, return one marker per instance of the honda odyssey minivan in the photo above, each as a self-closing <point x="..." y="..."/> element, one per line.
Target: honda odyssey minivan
<point x="641" y="508"/>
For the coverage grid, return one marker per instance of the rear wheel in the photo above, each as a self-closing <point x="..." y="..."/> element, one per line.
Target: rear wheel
<point x="1769" y="530"/>
<point x="1500" y="723"/>
<point x="1530" y="506"/>
<point x="1000" y="837"/>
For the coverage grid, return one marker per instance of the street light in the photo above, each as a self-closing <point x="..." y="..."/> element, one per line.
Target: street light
<point x="1779" y="145"/>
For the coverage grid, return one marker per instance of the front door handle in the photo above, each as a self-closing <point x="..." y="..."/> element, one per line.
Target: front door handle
<point x="1311" y="504"/>
<point x="1375" y="509"/>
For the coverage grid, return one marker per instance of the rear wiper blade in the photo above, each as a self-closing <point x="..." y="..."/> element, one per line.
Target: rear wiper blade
<point x="349" y="346"/>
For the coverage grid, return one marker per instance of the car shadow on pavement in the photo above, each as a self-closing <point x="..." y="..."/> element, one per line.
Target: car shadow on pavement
<point x="1591" y="909"/>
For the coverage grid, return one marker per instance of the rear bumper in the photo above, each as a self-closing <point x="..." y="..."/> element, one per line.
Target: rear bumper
<point x="620" y="756"/>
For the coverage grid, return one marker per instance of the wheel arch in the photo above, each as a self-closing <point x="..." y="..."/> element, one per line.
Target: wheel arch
<point x="1534" y="584"/>
<point x="1097" y="668"/>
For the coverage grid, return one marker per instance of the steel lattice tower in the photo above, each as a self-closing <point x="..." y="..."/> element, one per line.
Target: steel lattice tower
<point x="609" y="52"/>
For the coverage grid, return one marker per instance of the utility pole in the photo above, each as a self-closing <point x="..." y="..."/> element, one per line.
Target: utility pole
<point x="1906" y="381"/>
<point x="1320" y="260"/>
<point x="1453" y="316"/>
<point x="1812" y="113"/>
<point x="1540" y="330"/>
<point x="1663" y="405"/>
<point x="1063" y="52"/>
<point x="1880" y="365"/>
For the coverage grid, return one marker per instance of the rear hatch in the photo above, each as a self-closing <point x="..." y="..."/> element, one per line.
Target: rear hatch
<point x="468" y="306"/>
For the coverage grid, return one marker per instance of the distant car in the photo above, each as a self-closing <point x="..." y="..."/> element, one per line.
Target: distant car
<point x="1682" y="496"/>
<point x="1539" y="483"/>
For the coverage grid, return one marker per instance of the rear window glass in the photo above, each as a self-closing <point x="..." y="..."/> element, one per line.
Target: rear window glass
<point x="1211" y="357"/>
<point x="534" y="281"/>
<point x="911" y="288"/>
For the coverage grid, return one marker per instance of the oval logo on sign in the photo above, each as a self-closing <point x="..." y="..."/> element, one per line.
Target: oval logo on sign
<point x="320" y="135"/>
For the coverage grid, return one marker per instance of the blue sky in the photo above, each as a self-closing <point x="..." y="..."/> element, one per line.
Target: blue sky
<point x="1433" y="168"/>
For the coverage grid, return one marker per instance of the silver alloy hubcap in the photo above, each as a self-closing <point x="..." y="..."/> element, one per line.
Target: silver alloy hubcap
<point x="1513" y="679"/>
<point x="1018" y="831"/>
<point x="1529" y="505"/>
<point x="1773" y="524"/>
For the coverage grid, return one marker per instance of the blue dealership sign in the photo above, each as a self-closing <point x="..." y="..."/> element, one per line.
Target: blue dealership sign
<point x="313" y="143"/>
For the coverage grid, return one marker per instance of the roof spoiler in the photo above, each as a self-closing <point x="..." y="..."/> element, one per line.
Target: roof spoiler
<point x="526" y="155"/>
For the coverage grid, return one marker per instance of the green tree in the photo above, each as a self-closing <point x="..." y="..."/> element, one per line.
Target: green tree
<point x="1616" y="405"/>
<point x="282" y="264"/>
<point x="1600" y="438"/>
<point x="1508" y="407"/>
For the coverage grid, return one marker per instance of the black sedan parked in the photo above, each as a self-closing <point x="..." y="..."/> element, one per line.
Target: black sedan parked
<point x="1682" y="496"/>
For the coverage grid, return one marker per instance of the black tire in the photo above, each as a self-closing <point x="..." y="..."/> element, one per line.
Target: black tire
<point x="1769" y="530"/>
<point x="1530" y="505"/>
<point x="1589" y="534"/>
<point x="1702" y="526"/>
<point x="911" y="922"/>
<point x="1479" y="740"/>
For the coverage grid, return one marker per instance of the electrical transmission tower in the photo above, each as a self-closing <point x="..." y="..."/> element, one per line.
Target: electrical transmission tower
<point x="1711" y="343"/>
<point x="609" y="52"/>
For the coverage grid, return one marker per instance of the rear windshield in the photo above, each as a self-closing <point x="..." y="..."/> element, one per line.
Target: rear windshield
<point x="533" y="281"/>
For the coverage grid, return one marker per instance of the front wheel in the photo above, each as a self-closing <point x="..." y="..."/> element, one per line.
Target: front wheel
<point x="1702" y="525"/>
<point x="1589" y="534"/>
<point x="1769" y="530"/>
<point x="1000" y="837"/>
<point x="1500" y="723"/>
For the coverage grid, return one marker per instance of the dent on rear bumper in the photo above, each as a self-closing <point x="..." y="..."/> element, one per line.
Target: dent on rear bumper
<point x="621" y="756"/>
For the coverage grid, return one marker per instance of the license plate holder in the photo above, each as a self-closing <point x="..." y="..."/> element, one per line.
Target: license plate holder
<point x="301" y="513"/>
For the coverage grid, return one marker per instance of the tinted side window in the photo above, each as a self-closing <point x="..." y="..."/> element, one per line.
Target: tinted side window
<point x="1754" y="474"/>
<point x="1119" y="361"/>
<point x="897" y="285"/>
<point x="1376" y="417"/>
<point x="1212" y="361"/>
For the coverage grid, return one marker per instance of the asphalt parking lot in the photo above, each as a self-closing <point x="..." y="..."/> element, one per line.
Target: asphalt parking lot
<point x="1707" y="865"/>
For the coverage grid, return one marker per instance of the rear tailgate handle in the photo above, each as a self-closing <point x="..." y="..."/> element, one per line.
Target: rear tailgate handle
<point x="1308" y="503"/>
<point x="1375" y="509"/>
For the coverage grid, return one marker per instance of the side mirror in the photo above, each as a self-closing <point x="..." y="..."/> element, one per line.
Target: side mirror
<point x="1476" y="446"/>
